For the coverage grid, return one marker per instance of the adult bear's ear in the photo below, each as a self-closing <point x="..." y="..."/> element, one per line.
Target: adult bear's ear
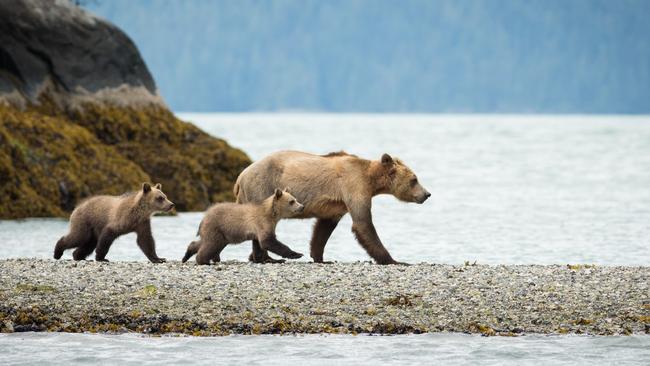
<point x="286" y="189"/>
<point x="146" y="187"/>
<point x="278" y="193"/>
<point x="158" y="186"/>
<point x="386" y="159"/>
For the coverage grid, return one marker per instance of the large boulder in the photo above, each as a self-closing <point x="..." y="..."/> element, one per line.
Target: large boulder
<point x="80" y="114"/>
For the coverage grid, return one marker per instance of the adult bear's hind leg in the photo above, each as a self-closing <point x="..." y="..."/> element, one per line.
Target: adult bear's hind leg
<point x="322" y="231"/>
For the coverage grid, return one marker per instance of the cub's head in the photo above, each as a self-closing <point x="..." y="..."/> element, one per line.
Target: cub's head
<point x="154" y="200"/>
<point x="402" y="182"/>
<point x="286" y="205"/>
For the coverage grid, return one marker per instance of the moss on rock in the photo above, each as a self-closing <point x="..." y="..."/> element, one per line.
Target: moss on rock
<point x="50" y="157"/>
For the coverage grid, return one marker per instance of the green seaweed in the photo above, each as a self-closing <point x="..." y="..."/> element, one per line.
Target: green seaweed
<point x="26" y="287"/>
<point x="577" y="267"/>
<point x="399" y="300"/>
<point x="148" y="290"/>
<point x="51" y="157"/>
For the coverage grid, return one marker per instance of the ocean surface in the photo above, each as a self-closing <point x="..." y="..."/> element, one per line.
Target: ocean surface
<point x="505" y="190"/>
<point x="443" y="348"/>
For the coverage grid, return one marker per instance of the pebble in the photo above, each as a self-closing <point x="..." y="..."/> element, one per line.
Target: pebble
<point x="247" y="298"/>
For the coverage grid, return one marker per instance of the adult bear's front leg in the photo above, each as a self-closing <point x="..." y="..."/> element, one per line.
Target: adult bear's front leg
<point x="366" y="235"/>
<point x="106" y="239"/>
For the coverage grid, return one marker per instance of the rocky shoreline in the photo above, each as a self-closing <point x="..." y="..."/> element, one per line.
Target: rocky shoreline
<point x="243" y="298"/>
<point x="81" y="115"/>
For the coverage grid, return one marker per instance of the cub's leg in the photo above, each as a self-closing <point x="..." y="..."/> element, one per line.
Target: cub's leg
<point x="210" y="248"/>
<point x="85" y="249"/>
<point x="270" y="243"/>
<point x="77" y="237"/>
<point x="260" y="255"/>
<point x="146" y="243"/>
<point x="106" y="239"/>
<point x="191" y="250"/>
<point x="209" y="251"/>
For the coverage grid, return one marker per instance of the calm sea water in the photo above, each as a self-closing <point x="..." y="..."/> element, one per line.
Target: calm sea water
<point x="506" y="189"/>
<point x="451" y="349"/>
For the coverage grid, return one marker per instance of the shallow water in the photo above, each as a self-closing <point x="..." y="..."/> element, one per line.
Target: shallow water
<point x="506" y="189"/>
<point x="132" y="349"/>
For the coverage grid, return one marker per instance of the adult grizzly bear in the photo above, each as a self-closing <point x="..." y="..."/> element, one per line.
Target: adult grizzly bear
<point x="330" y="186"/>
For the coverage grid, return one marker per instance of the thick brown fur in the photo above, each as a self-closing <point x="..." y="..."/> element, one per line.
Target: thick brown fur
<point x="337" y="153"/>
<point x="231" y="223"/>
<point x="330" y="186"/>
<point x="99" y="220"/>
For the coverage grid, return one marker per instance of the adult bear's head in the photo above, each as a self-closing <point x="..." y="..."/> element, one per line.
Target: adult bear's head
<point x="402" y="182"/>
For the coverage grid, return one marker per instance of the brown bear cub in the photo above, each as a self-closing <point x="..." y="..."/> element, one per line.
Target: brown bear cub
<point x="99" y="220"/>
<point x="232" y="223"/>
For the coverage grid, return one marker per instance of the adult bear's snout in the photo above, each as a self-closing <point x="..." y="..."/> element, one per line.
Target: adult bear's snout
<point x="424" y="197"/>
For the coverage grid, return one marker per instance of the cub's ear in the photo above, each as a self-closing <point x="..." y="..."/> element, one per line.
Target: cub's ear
<point x="158" y="186"/>
<point x="278" y="193"/>
<point x="146" y="187"/>
<point x="386" y="159"/>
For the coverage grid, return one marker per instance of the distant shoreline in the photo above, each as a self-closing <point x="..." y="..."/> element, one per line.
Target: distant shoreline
<point x="243" y="298"/>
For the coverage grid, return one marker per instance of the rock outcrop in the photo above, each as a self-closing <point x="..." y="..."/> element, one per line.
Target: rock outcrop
<point x="80" y="114"/>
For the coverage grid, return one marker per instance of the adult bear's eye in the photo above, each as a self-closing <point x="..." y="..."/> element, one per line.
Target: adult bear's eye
<point x="292" y="202"/>
<point x="414" y="181"/>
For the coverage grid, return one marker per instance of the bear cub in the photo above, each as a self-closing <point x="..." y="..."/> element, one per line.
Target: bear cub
<point x="232" y="223"/>
<point x="99" y="220"/>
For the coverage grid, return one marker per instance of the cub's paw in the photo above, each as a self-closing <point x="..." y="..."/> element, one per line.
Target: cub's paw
<point x="393" y="262"/>
<point x="158" y="260"/>
<point x="102" y="260"/>
<point x="294" y="255"/>
<point x="401" y="264"/>
<point x="272" y="260"/>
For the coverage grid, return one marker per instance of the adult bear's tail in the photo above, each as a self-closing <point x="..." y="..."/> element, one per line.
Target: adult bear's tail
<point x="235" y="191"/>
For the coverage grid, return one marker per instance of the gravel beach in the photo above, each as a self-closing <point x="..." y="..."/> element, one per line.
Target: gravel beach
<point x="244" y="298"/>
